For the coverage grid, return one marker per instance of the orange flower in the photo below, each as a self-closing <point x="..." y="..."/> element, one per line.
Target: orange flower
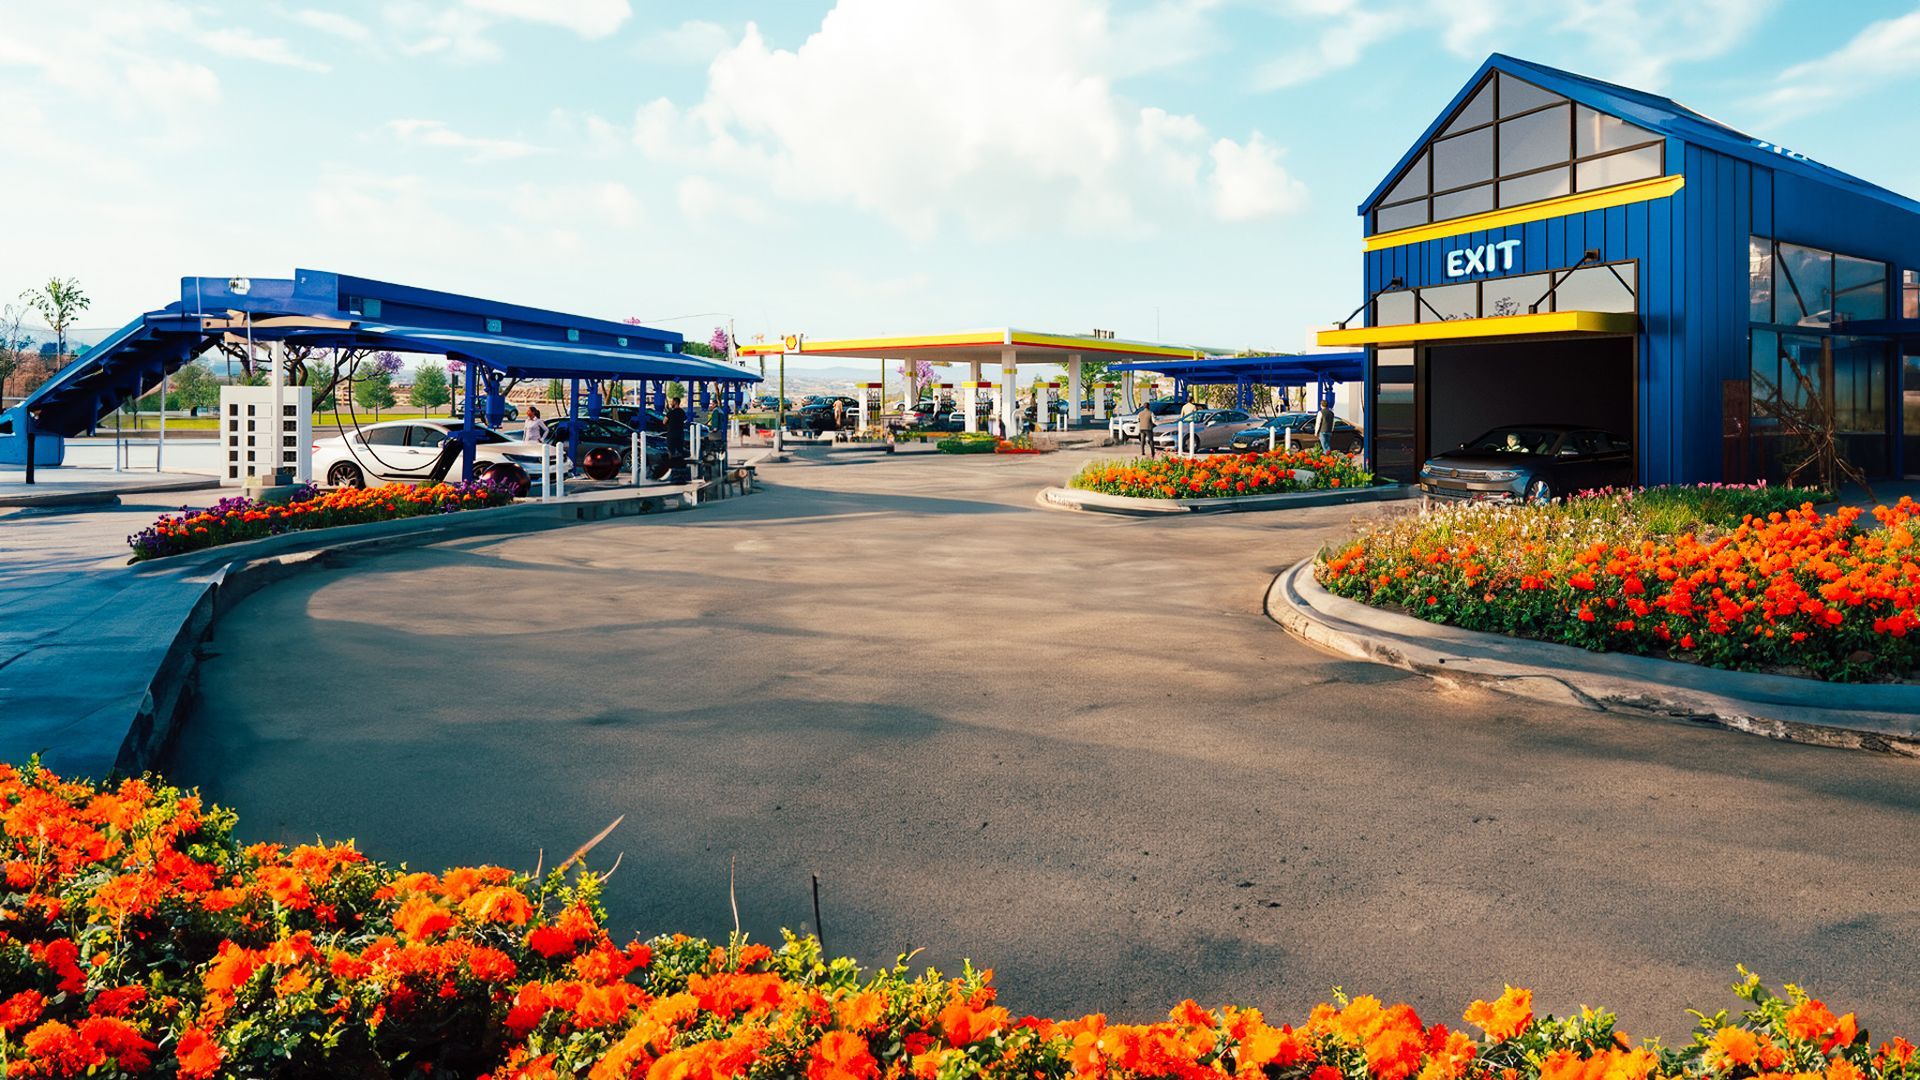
<point x="1735" y="1045"/>
<point x="199" y="1056"/>
<point x="841" y="1055"/>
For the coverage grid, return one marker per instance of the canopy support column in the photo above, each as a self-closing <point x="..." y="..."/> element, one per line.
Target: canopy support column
<point x="1009" y="393"/>
<point x="1073" y="389"/>
<point x="972" y="396"/>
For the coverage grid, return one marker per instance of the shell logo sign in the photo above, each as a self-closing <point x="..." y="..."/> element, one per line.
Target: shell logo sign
<point x="792" y="343"/>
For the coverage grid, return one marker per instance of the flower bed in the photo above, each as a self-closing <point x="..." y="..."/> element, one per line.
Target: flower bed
<point x="1220" y="475"/>
<point x="1717" y="576"/>
<point x="238" y="518"/>
<point x="140" y="939"/>
<point x="968" y="442"/>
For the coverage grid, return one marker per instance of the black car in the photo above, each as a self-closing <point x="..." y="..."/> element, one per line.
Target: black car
<point x="1345" y="438"/>
<point x="1534" y="462"/>
<point x="815" y="414"/>
<point x="512" y="412"/>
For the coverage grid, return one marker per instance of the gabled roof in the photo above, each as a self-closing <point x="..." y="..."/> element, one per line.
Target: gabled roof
<point x="1651" y="111"/>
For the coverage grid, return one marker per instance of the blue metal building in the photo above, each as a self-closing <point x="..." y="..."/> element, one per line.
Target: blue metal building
<point x="1556" y="249"/>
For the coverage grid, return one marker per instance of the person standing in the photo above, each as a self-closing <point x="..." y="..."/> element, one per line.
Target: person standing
<point x="536" y="429"/>
<point x="839" y="414"/>
<point x="1189" y="408"/>
<point x="1323" y="424"/>
<point x="676" y="425"/>
<point x="1144" y="420"/>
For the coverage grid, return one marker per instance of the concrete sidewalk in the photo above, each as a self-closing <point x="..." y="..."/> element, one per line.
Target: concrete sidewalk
<point x="67" y="486"/>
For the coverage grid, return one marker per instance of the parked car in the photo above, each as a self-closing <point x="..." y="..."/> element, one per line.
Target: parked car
<point x="613" y="435"/>
<point x="1346" y="437"/>
<point x="770" y="403"/>
<point x="1211" y="429"/>
<point x="1125" y="423"/>
<point x="817" y="415"/>
<point x="406" y="450"/>
<point x="460" y="410"/>
<point x="1535" y="462"/>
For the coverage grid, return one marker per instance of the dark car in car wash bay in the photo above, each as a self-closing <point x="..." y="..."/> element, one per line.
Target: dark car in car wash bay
<point x="1534" y="462"/>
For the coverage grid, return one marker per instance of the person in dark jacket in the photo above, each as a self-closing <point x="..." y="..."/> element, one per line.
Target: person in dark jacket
<point x="1145" y="420"/>
<point x="676" y="425"/>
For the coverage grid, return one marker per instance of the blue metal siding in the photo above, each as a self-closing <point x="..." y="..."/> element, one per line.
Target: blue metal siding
<point x="1645" y="232"/>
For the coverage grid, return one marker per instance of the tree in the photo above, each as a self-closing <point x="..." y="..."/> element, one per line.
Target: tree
<point x="374" y="391"/>
<point x="59" y="303"/>
<point x="194" y="387"/>
<point x="430" y="387"/>
<point x="555" y="392"/>
<point x="13" y="344"/>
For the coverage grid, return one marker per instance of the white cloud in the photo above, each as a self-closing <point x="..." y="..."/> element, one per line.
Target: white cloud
<point x="1000" y="113"/>
<point x="588" y="18"/>
<point x="1879" y="54"/>
<point x="182" y="85"/>
<point x="1249" y="182"/>
<point x="332" y="22"/>
<point x="246" y="45"/>
<point x="477" y="149"/>
<point x="694" y="42"/>
<point x="1636" y="42"/>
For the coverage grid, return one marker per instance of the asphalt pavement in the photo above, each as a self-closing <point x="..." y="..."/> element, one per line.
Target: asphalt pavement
<point x="1069" y="746"/>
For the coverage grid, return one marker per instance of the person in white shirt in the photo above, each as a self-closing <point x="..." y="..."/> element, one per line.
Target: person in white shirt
<point x="536" y="429"/>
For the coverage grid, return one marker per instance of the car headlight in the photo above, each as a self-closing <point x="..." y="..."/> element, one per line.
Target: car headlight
<point x="1501" y="476"/>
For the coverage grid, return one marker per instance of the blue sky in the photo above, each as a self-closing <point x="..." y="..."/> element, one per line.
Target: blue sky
<point x="1180" y="169"/>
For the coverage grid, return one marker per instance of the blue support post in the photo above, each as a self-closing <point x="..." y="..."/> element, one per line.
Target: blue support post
<point x="468" y="436"/>
<point x="593" y="399"/>
<point x="573" y="417"/>
<point x="496" y="402"/>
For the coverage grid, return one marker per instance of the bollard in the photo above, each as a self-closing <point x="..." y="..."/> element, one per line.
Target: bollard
<point x="1272" y="434"/>
<point x="636" y="459"/>
<point x="546" y="478"/>
<point x="1289" y="440"/>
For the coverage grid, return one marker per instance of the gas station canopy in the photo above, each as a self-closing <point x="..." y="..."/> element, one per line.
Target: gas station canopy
<point x="991" y="346"/>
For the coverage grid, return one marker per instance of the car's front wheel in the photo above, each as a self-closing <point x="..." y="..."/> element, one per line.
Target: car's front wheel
<point x="345" y="474"/>
<point x="1539" y="491"/>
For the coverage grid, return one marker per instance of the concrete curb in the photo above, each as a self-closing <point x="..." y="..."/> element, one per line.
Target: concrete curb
<point x="109" y="495"/>
<point x="1884" y="717"/>
<point x="1098" y="502"/>
<point x="181" y="599"/>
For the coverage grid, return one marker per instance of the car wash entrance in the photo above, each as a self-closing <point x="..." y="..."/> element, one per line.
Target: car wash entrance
<point x="1467" y="390"/>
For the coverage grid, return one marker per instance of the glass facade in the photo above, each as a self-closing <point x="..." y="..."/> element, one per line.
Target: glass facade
<point x="1606" y="287"/>
<point x="1393" y="414"/>
<point x="1513" y="143"/>
<point x="1803" y="366"/>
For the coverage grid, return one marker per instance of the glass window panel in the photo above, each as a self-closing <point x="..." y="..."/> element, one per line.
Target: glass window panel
<point x="1859" y="377"/>
<point x="1910" y="299"/>
<point x="1764" y="376"/>
<point x="1596" y="133"/>
<point x="1478" y="110"/>
<point x="1444" y="303"/>
<point x="1470" y="201"/>
<point x="1399" y="217"/>
<point x="1518" y="96"/>
<point x="1534" y="140"/>
<point x="1512" y="295"/>
<point x="1413" y="183"/>
<point x="1535" y="186"/>
<point x="1759" y="279"/>
<point x="1618" y="168"/>
<point x="1463" y="159"/>
<point x="1859" y="288"/>
<point x="1394" y="308"/>
<point x="1804" y="281"/>
<point x="1800" y="369"/>
<point x="385" y="436"/>
<point x="1595" y="288"/>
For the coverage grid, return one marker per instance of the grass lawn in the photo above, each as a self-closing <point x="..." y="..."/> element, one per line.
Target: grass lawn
<point x="209" y="422"/>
